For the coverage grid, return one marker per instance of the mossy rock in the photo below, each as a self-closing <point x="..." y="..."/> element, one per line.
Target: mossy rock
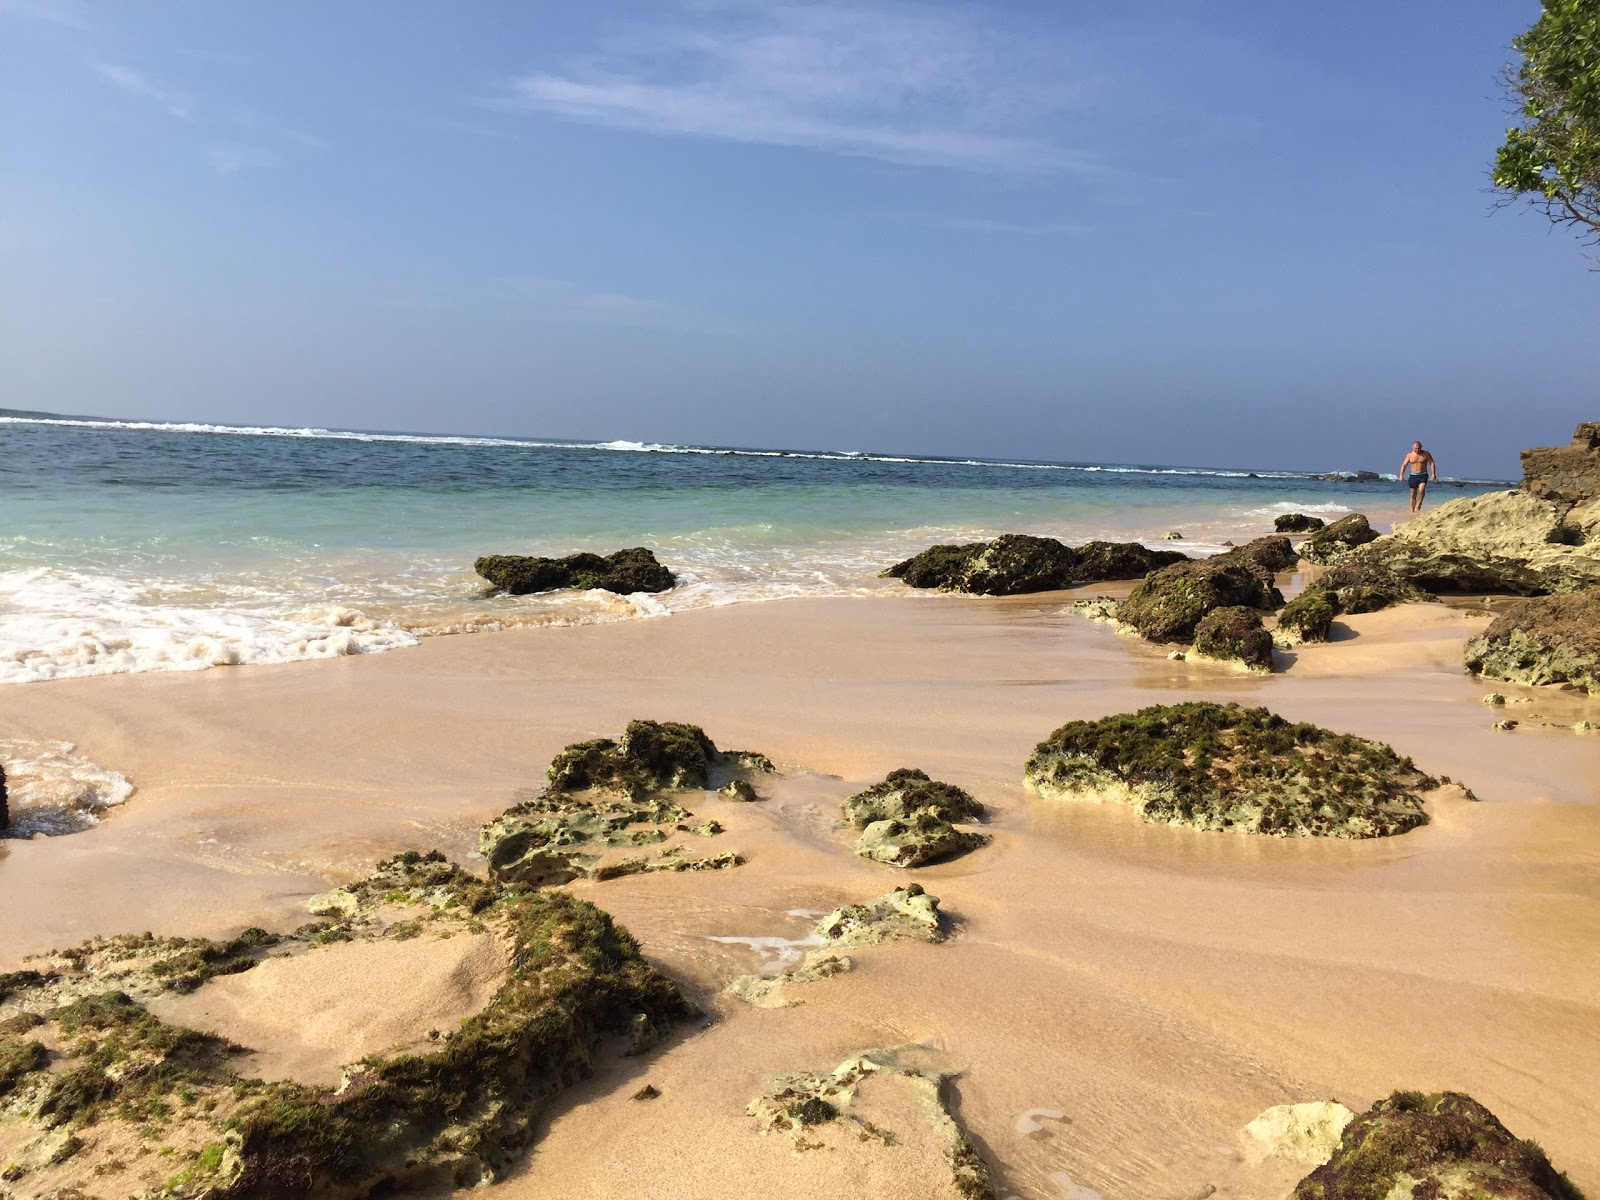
<point x="908" y="820"/>
<point x="1444" y="1146"/>
<point x="633" y="570"/>
<point x="1235" y="634"/>
<point x="1219" y="767"/>
<point x="1331" y="542"/>
<point x="1268" y="555"/>
<point x="1297" y="523"/>
<point x="650" y="757"/>
<point x="1167" y="605"/>
<point x="1552" y="639"/>
<point x="1309" y="616"/>
<point x="455" y="1114"/>
<point x="1018" y="563"/>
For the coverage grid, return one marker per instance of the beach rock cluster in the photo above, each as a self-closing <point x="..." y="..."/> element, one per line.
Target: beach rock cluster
<point x="80" y="1049"/>
<point x="558" y="835"/>
<point x="909" y="820"/>
<point x="1444" y="1146"/>
<point x="1347" y="477"/>
<point x="1297" y="523"/>
<point x="1168" y="604"/>
<point x="1229" y="767"/>
<point x="1552" y="639"/>
<point x="625" y="572"/>
<point x="1331" y="542"/>
<point x="1017" y="563"/>
<point x="834" y="1111"/>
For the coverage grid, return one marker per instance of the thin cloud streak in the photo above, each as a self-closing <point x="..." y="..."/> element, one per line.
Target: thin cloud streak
<point x="136" y="83"/>
<point x="1024" y="228"/>
<point x="906" y="85"/>
<point x="231" y="160"/>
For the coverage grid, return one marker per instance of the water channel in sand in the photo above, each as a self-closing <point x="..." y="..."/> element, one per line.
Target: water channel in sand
<point x="1157" y="987"/>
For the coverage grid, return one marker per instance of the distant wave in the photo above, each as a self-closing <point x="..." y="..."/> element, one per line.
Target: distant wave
<point x="622" y="446"/>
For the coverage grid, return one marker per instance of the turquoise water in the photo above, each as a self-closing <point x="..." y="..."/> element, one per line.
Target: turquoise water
<point x="132" y="546"/>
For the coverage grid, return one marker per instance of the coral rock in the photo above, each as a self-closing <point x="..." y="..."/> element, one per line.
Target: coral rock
<point x="625" y="572"/>
<point x="1017" y="563"/>
<point x="1552" y="639"/>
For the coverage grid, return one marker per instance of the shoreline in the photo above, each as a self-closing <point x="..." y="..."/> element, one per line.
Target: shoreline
<point x="1095" y="953"/>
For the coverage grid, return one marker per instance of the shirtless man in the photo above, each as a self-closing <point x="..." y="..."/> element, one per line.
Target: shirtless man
<point x="1415" y="470"/>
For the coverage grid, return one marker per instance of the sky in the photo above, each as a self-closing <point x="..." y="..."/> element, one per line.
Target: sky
<point x="1234" y="233"/>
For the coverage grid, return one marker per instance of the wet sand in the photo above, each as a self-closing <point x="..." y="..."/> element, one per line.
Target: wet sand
<point x="1158" y="987"/>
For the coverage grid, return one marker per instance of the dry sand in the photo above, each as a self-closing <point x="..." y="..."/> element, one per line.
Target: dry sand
<point x="1157" y="987"/>
<point x="304" y="1016"/>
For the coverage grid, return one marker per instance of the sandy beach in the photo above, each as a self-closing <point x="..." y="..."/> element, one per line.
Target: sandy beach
<point x="1151" y="988"/>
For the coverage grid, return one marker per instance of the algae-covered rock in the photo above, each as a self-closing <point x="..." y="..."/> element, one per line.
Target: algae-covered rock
<point x="1331" y="542"/>
<point x="908" y="820"/>
<point x="1017" y="563"/>
<point x="625" y="572"/>
<point x="1168" y="604"/>
<point x="840" y="1110"/>
<point x="1235" y="634"/>
<point x="1268" y="555"/>
<point x="1444" y="1146"/>
<point x="455" y="1113"/>
<point x="651" y="756"/>
<point x="1229" y="767"/>
<point x="1297" y="523"/>
<point x="905" y="912"/>
<point x="1308" y="617"/>
<point x="1551" y="639"/>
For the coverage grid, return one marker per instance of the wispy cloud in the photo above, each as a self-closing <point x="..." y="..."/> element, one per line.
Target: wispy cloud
<point x="941" y="87"/>
<point x="985" y="225"/>
<point x="230" y="160"/>
<point x="137" y="83"/>
<point x="71" y="13"/>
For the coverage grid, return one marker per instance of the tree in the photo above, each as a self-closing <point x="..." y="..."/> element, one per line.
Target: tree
<point x="1553" y="156"/>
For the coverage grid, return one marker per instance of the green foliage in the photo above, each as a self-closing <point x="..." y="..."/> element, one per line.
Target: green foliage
<point x="1553" y="156"/>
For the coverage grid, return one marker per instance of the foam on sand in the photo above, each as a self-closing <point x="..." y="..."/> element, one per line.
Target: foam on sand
<point x="55" y="790"/>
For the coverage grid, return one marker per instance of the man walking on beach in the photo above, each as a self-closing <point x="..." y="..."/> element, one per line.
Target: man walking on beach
<point x="1414" y="470"/>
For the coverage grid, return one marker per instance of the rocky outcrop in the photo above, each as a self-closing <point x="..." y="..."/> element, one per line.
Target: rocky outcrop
<point x="625" y="572"/>
<point x="1167" y="605"/>
<point x="1444" y="1146"/>
<point x="1570" y="472"/>
<point x="909" y="820"/>
<point x="1234" y="634"/>
<point x="1552" y="639"/>
<point x="1267" y="555"/>
<point x="1510" y="542"/>
<point x="626" y="784"/>
<point x="1347" y="476"/>
<point x="1297" y="523"/>
<point x="1329" y="543"/>
<point x="1017" y="563"/>
<point x="455" y="1112"/>
<point x="1228" y="767"/>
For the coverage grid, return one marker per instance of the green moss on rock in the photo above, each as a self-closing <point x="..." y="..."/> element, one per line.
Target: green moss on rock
<point x="1297" y="523"/>
<point x="625" y="572"/>
<point x="1235" y="634"/>
<point x="1444" y="1146"/>
<point x="1167" y="605"/>
<point x="1309" y="616"/>
<point x="1017" y="563"/>
<point x="1332" y="542"/>
<point x="908" y="820"/>
<point x="1552" y="639"/>
<point x="1229" y="767"/>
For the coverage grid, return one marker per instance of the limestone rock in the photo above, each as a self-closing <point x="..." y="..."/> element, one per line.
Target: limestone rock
<point x="1499" y="542"/>
<point x="1297" y="523"/>
<point x="1551" y="639"/>
<point x="1235" y="633"/>
<point x="1444" y="1146"/>
<point x="1167" y="605"/>
<point x="1228" y="767"/>
<point x="739" y="789"/>
<point x="1303" y="1133"/>
<point x="650" y="757"/>
<point x="1570" y="472"/>
<point x="908" y="820"/>
<point x="1017" y="563"/>
<point x="626" y="571"/>
<point x="906" y="912"/>
<point x="1329" y="543"/>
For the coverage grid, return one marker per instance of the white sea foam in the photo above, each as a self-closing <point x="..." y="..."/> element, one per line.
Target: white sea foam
<point x="52" y="789"/>
<point x="1289" y="506"/>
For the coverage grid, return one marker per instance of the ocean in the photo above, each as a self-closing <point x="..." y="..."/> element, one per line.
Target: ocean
<point x="140" y="546"/>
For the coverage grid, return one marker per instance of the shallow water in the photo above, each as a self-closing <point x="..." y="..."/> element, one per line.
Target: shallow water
<point x="137" y="546"/>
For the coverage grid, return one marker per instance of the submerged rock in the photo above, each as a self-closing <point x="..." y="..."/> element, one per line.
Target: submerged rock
<point x="1329" y="543"/>
<point x="908" y="820"/>
<point x="1552" y="639"/>
<point x="455" y="1113"/>
<point x="1444" y="1146"/>
<point x="816" y="1110"/>
<point x="1234" y="634"/>
<point x="625" y="572"/>
<point x="1228" y="767"/>
<point x="1297" y="523"/>
<point x="1017" y="563"/>
<point x="1167" y="605"/>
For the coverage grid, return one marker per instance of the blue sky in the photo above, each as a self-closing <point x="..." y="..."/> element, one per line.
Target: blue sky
<point x="1234" y="233"/>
